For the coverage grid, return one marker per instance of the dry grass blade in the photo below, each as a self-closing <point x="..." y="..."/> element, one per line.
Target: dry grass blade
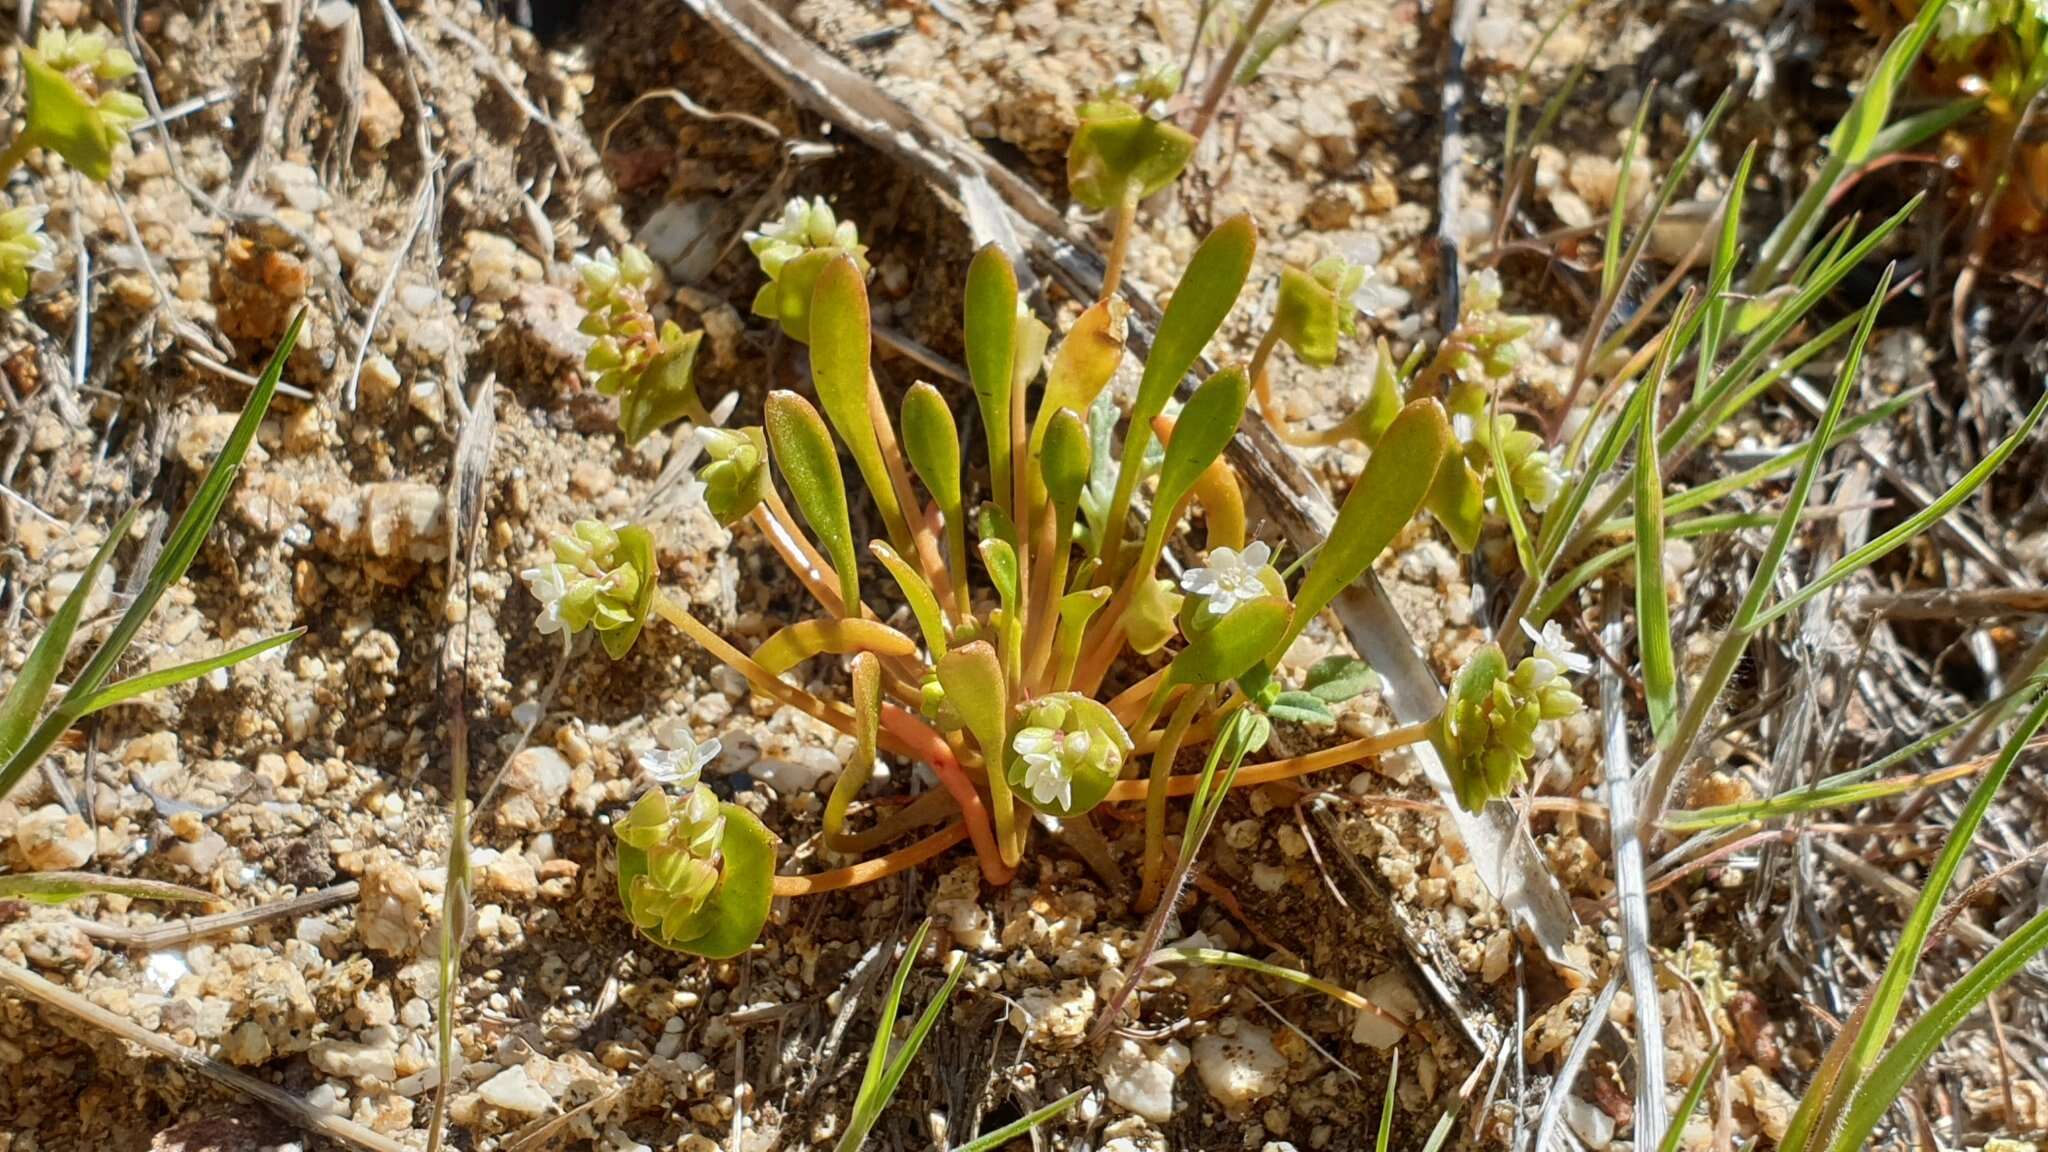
<point x="1631" y="888"/>
<point x="304" y="1116"/>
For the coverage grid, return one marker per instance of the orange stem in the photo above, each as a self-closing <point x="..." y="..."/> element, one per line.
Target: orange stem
<point x="871" y="870"/>
<point x="1125" y="791"/>
<point x="930" y="747"/>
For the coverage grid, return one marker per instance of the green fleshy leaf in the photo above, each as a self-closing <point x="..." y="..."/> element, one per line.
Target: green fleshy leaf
<point x="1076" y="610"/>
<point x="733" y="915"/>
<point x="1064" y="461"/>
<point x="1201" y="432"/>
<point x="990" y="327"/>
<point x="1397" y="479"/>
<point x="931" y="442"/>
<point x="972" y="676"/>
<point x="1086" y="361"/>
<point x="1335" y="679"/>
<point x="1119" y="153"/>
<point x="999" y="558"/>
<point x="924" y="604"/>
<point x="1301" y="708"/>
<point x="810" y="466"/>
<point x="1207" y="290"/>
<point x="1092" y="782"/>
<point x="839" y="369"/>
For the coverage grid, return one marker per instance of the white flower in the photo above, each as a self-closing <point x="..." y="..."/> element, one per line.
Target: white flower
<point x="548" y="587"/>
<point x="1231" y="577"/>
<point x="1377" y="293"/>
<point x="1049" y="756"/>
<point x="1545" y="482"/>
<point x="680" y="759"/>
<point x="1553" y="647"/>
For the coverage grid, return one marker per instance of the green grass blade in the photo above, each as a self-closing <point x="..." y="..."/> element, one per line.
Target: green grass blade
<point x="1385" y="1137"/>
<point x="1554" y="595"/>
<point x="1897" y="980"/>
<point x="1653" y="611"/>
<point x="1876" y="1094"/>
<point x="31" y="687"/>
<point x="1611" y="257"/>
<point x="179" y="550"/>
<point x="54" y="888"/>
<point x="1018" y="1127"/>
<point x="1709" y="410"/>
<point x="899" y="1064"/>
<point x="1760" y="584"/>
<point x="122" y="691"/>
<point x="1222" y="959"/>
<point x="1926" y="518"/>
<point x="1504" y="491"/>
<point x="1721" y="271"/>
<point x="1694" y="1093"/>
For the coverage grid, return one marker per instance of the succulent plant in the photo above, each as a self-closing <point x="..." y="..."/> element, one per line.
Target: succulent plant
<point x="649" y="365"/>
<point x="74" y="107"/>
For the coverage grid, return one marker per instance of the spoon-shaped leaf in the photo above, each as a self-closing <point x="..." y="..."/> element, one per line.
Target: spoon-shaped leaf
<point x="867" y="720"/>
<point x="1397" y="478"/>
<point x="1064" y="461"/>
<point x="839" y="367"/>
<point x="1206" y="292"/>
<point x="1200" y="434"/>
<point x="809" y="465"/>
<point x="991" y="334"/>
<point x="1085" y="362"/>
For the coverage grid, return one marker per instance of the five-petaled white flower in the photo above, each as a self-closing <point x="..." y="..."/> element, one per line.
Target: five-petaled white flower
<point x="1050" y="757"/>
<point x="1551" y="645"/>
<point x="548" y="586"/>
<point x="1230" y="578"/>
<point x="1378" y="293"/>
<point x="681" y="758"/>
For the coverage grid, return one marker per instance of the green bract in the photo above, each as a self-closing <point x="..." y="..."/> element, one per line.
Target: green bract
<point x="650" y="366"/>
<point x="22" y="250"/>
<point x="1489" y="725"/>
<point x="736" y="477"/>
<point x="696" y="875"/>
<point x="1315" y="308"/>
<point x="72" y="107"/>
<point x="1120" y="154"/>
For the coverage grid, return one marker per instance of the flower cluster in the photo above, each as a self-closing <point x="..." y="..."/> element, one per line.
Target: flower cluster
<point x="792" y="249"/>
<point x="680" y="834"/>
<point x="600" y="578"/>
<point x="1487" y="343"/>
<point x="1069" y="750"/>
<point x="73" y="106"/>
<point x="1489" y="725"/>
<point x="650" y="366"/>
<point x="23" y="249"/>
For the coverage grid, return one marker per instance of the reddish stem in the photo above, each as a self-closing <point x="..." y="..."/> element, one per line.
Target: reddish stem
<point x="930" y="747"/>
